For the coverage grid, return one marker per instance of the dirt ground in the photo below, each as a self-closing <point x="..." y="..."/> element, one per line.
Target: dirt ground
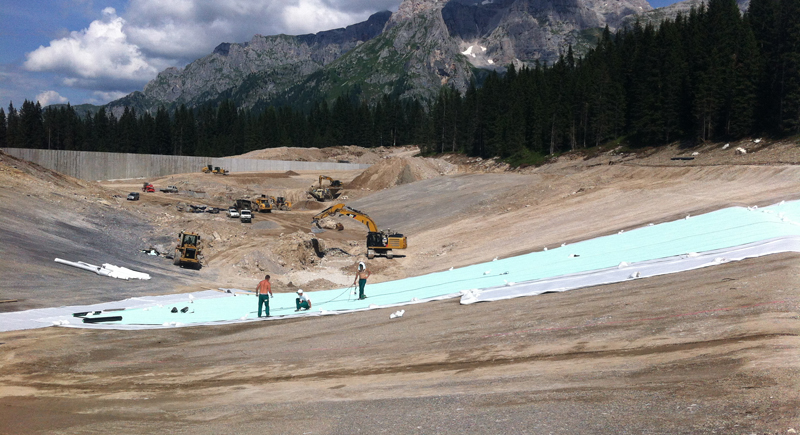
<point x="707" y="351"/>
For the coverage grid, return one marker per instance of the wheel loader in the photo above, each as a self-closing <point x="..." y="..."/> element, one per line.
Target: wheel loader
<point x="188" y="252"/>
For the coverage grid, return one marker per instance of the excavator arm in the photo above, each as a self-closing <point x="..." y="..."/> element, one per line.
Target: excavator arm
<point x="334" y="183"/>
<point x="346" y="211"/>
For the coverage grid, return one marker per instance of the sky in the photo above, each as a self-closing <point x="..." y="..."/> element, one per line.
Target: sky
<point x="96" y="51"/>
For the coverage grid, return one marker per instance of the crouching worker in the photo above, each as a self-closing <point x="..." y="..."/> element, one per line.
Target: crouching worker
<point x="302" y="301"/>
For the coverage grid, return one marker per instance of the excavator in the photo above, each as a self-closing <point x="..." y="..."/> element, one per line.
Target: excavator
<point x="321" y="193"/>
<point x="378" y="242"/>
<point x="187" y="253"/>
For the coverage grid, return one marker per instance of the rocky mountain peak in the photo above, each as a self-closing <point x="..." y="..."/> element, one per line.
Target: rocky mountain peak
<point x="411" y="53"/>
<point x="408" y="9"/>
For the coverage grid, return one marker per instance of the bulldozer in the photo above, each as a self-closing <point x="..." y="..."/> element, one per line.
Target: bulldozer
<point x="378" y="242"/>
<point x="263" y="204"/>
<point x="219" y="171"/>
<point x="187" y="253"/>
<point x="148" y="187"/>
<point x="208" y="169"/>
<point x="322" y="193"/>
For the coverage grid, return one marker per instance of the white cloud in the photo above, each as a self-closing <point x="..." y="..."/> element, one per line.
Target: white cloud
<point x="310" y="16"/>
<point x="100" y="97"/>
<point x="47" y="98"/>
<point x="189" y="29"/>
<point x="99" y="52"/>
<point x="119" y="54"/>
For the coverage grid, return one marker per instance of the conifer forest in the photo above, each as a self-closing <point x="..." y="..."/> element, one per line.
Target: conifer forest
<point x="711" y="75"/>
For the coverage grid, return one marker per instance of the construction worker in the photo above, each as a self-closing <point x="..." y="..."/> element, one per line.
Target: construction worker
<point x="302" y="301"/>
<point x="264" y="292"/>
<point x="361" y="279"/>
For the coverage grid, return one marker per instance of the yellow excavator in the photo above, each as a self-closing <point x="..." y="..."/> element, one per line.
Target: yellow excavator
<point x="321" y="193"/>
<point x="187" y="253"/>
<point x="378" y="242"/>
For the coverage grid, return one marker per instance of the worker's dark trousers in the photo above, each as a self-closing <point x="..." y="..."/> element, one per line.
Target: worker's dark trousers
<point x="263" y="299"/>
<point x="361" y="284"/>
<point x="303" y="304"/>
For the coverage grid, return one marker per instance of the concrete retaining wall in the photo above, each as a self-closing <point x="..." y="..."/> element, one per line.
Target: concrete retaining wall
<point x="88" y="165"/>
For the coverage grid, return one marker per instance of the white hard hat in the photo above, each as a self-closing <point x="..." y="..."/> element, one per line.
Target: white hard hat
<point x="300" y="291"/>
<point x="361" y="265"/>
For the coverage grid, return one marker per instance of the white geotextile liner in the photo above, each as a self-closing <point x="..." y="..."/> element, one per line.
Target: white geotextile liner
<point x="651" y="250"/>
<point x="136" y="327"/>
<point x="106" y="269"/>
<point x="626" y="272"/>
<point x="38" y="318"/>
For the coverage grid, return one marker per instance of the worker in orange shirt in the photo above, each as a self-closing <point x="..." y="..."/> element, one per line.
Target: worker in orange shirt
<point x="264" y="292"/>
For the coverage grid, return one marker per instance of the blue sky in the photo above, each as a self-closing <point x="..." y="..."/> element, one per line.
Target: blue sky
<point x="95" y="51"/>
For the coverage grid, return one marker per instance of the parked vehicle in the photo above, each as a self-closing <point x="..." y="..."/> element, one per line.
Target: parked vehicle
<point x="245" y="216"/>
<point x="133" y="196"/>
<point x="233" y="213"/>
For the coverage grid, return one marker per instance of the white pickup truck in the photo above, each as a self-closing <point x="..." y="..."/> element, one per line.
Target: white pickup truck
<point x="245" y="216"/>
<point x="233" y="213"/>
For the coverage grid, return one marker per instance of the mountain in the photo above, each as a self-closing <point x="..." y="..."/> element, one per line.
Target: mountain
<point x="656" y="16"/>
<point x="410" y="53"/>
<point x="254" y="70"/>
<point x="500" y="32"/>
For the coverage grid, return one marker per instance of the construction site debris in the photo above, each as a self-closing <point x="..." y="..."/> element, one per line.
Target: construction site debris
<point x="330" y="224"/>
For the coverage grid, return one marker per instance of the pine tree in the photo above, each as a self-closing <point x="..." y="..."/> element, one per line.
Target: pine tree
<point x="3" y="136"/>
<point x="128" y="134"/>
<point x="101" y="134"/>
<point x="763" y="19"/>
<point x="163" y="132"/>
<point x="14" y="137"/>
<point x="789" y="65"/>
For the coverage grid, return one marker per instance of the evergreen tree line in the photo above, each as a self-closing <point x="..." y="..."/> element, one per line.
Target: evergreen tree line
<point x="711" y="75"/>
<point x="221" y="130"/>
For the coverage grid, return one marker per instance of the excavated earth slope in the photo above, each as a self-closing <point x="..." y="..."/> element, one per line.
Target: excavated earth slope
<point x="712" y="350"/>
